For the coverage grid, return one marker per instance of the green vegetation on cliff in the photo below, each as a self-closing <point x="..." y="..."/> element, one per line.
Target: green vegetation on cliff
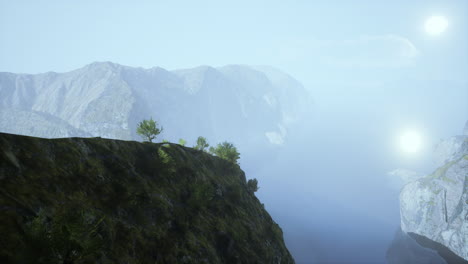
<point x="202" y="144"/>
<point x="226" y="151"/>
<point x="94" y="200"/>
<point x="148" y="129"/>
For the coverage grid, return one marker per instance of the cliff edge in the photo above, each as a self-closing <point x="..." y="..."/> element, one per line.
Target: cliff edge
<point x="93" y="200"/>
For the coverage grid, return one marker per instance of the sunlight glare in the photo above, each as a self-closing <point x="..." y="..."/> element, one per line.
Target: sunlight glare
<point x="435" y="25"/>
<point x="410" y="142"/>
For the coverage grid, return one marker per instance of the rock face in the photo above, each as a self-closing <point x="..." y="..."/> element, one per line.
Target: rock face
<point x="450" y="149"/>
<point x="245" y="105"/>
<point x="436" y="206"/>
<point x="94" y="200"/>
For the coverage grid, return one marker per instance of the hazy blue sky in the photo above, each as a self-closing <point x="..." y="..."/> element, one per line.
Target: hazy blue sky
<point x="312" y="40"/>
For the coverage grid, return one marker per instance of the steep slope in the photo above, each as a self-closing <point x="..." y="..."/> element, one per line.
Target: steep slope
<point x="95" y="200"/>
<point x="107" y="100"/>
<point x="435" y="207"/>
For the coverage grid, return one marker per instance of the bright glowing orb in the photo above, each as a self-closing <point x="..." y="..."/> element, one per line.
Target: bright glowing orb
<point x="410" y="142"/>
<point x="435" y="25"/>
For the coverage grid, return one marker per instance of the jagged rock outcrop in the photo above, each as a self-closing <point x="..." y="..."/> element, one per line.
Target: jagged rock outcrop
<point x="94" y="200"/>
<point x="249" y="106"/>
<point x="436" y="206"/>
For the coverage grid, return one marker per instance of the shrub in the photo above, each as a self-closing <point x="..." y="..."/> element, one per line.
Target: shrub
<point x="182" y="142"/>
<point x="202" y="144"/>
<point x="165" y="158"/>
<point x="226" y="151"/>
<point x="252" y="185"/>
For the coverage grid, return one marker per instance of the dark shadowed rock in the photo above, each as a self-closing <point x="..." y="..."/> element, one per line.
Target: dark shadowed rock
<point x="405" y="250"/>
<point x="442" y="250"/>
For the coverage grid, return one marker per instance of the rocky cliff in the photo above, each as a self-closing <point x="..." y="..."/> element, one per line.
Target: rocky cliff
<point x="94" y="200"/>
<point x="435" y="207"/>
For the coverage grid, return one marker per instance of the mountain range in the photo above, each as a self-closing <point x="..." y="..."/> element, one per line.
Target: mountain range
<point x="250" y="106"/>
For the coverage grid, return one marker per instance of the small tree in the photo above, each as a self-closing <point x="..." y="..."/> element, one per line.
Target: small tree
<point x="182" y="142"/>
<point x="252" y="185"/>
<point x="202" y="144"/>
<point x="148" y="129"/>
<point x="226" y="151"/>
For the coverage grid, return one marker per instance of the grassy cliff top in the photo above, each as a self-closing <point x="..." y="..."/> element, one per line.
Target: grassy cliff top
<point x="93" y="200"/>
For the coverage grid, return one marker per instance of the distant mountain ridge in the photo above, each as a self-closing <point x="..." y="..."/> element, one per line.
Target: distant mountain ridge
<point x="249" y="105"/>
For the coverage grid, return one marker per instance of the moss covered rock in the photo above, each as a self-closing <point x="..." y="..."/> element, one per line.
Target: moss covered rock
<point x="95" y="200"/>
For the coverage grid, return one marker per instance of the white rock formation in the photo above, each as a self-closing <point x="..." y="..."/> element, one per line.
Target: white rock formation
<point x="449" y="149"/>
<point x="436" y="206"/>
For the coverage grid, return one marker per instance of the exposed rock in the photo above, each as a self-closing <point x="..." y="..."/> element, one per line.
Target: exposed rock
<point x="449" y="149"/>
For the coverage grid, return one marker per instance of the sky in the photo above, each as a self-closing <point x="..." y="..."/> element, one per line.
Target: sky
<point x="308" y="39"/>
<point x="365" y="43"/>
<point x="370" y="66"/>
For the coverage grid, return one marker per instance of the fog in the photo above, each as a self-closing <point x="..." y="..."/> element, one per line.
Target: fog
<point x="329" y="188"/>
<point x="371" y="69"/>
